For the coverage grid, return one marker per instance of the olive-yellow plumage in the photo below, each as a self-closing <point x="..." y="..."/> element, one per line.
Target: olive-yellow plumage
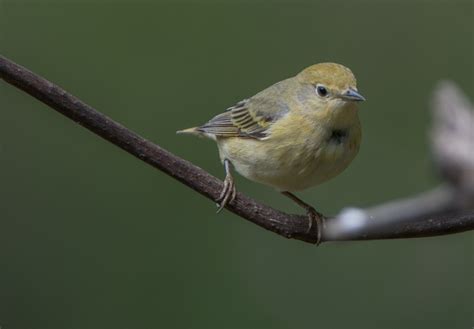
<point x="296" y="133"/>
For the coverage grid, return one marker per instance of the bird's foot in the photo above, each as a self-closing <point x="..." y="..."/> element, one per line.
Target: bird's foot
<point x="228" y="192"/>
<point x="315" y="217"/>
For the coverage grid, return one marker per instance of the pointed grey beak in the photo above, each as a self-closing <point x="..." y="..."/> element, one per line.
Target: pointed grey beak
<point x="352" y="95"/>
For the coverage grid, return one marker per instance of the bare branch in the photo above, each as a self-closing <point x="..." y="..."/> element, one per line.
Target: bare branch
<point x="396" y="216"/>
<point x="453" y="140"/>
<point x="287" y="225"/>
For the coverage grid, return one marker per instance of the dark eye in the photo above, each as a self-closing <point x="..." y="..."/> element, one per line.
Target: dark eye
<point x="322" y="91"/>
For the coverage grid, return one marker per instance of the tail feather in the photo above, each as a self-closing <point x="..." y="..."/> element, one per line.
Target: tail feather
<point x="196" y="132"/>
<point x="192" y="131"/>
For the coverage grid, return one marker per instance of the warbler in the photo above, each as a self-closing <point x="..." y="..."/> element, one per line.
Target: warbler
<point x="293" y="135"/>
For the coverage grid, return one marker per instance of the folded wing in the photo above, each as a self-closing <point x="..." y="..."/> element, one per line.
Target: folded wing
<point x="241" y="120"/>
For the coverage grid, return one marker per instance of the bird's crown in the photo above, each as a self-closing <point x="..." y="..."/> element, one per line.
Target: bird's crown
<point x="332" y="75"/>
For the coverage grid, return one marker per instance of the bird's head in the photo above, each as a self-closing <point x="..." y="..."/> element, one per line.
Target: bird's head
<point x="330" y="83"/>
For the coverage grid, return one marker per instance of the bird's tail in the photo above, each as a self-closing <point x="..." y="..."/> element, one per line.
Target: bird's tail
<point x="192" y="131"/>
<point x="196" y="131"/>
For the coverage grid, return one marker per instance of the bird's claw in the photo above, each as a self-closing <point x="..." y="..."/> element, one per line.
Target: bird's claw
<point x="315" y="216"/>
<point x="227" y="194"/>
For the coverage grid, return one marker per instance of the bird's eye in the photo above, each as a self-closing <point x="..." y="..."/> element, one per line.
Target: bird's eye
<point x="322" y="91"/>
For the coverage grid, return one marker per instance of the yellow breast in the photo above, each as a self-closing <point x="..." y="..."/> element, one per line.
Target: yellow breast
<point x="302" y="150"/>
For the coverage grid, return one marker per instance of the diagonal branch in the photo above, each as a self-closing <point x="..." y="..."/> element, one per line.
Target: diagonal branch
<point x="287" y="225"/>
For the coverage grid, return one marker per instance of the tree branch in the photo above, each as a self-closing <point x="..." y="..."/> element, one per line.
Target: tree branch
<point x="287" y="225"/>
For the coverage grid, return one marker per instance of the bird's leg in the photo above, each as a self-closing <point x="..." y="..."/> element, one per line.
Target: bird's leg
<point x="228" y="191"/>
<point x="311" y="212"/>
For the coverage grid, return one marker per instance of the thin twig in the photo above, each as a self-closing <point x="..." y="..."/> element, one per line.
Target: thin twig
<point x="452" y="137"/>
<point x="287" y="225"/>
<point x="396" y="216"/>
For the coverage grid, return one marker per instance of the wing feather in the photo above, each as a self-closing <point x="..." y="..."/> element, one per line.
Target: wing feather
<point x="240" y="120"/>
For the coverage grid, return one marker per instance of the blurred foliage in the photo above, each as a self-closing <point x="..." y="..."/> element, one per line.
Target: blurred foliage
<point x="93" y="238"/>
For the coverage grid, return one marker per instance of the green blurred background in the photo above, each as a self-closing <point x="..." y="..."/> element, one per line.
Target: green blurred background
<point x="91" y="237"/>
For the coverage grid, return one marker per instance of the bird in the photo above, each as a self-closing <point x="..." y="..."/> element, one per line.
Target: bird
<point x="293" y="135"/>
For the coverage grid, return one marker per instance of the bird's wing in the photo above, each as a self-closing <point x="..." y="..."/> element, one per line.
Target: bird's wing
<point x="249" y="118"/>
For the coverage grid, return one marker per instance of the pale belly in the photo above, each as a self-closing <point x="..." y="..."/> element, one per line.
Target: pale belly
<point x="290" y="166"/>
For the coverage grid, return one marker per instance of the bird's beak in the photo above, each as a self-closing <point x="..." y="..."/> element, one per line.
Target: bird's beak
<point x="352" y="95"/>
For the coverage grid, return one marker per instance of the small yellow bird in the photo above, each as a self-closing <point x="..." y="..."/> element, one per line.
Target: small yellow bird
<point x="293" y="135"/>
